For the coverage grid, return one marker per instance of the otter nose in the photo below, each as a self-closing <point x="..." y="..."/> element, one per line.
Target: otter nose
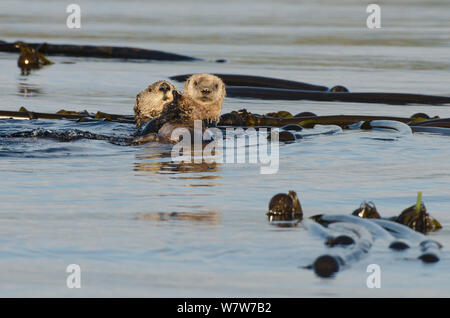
<point x="164" y="87"/>
<point x="205" y="91"/>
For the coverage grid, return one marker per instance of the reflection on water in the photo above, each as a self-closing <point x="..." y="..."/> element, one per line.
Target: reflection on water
<point x="175" y="167"/>
<point x="284" y="220"/>
<point x="285" y="224"/>
<point x="210" y="217"/>
<point x="25" y="89"/>
<point x="153" y="159"/>
<point x="208" y="177"/>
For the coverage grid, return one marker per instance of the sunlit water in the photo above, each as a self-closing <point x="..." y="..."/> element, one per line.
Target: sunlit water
<point x="139" y="224"/>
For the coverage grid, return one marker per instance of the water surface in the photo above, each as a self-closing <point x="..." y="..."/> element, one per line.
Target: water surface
<point x="139" y="224"/>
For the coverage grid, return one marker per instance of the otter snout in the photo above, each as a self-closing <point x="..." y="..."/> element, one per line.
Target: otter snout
<point x="205" y="91"/>
<point x="164" y="87"/>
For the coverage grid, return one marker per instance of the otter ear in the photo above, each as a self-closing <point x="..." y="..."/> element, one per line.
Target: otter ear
<point x="224" y="91"/>
<point x="187" y="83"/>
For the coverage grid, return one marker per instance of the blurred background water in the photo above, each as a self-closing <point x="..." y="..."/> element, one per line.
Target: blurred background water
<point x="139" y="224"/>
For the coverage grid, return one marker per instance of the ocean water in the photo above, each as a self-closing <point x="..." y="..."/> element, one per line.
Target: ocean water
<point x="139" y="224"/>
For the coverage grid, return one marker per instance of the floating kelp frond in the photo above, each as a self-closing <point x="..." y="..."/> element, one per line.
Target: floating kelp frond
<point x="100" y="51"/>
<point x="284" y="206"/>
<point x="429" y="248"/>
<point x="67" y="114"/>
<point x="258" y="81"/>
<point x="414" y="217"/>
<point x="71" y="112"/>
<point x="280" y="114"/>
<point x="417" y="218"/>
<point x="328" y="265"/>
<point x="433" y="122"/>
<point x="243" y="117"/>
<point x="387" y="125"/>
<point x="269" y="93"/>
<point x="355" y="234"/>
<point x="30" y="58"/>
<point x="367" y="210"/>
<point x="418" y="221"/>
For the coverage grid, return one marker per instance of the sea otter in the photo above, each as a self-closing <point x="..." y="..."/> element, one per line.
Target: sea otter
<point x="151" y="101"/>
<point x="202" y="99"/>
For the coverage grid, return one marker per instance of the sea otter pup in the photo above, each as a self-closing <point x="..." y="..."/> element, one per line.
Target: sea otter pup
<point x="201" y="100"/>
<point x="151" y="101"/>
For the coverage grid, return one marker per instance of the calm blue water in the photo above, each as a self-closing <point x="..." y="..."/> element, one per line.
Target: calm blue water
<point x="139" y="224"/>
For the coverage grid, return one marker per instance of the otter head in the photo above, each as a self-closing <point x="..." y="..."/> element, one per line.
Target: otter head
<point x="151" y="101"/>
<point x="208" y="92"/>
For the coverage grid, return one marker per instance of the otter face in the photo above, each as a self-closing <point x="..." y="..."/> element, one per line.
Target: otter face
<point x="151" y="101"/>
<point x="207" y="93"/>
<point x="205" y="88"/>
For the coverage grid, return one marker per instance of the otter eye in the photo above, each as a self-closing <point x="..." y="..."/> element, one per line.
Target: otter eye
<point x="195" y="83"/>
<point x="150" y="90"/>
<point x="216" y="86"/>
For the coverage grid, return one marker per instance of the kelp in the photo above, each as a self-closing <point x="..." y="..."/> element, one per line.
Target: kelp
<point x="244" y="118"/>
<point x="30" y="58"/>
<point x="23" y="113"/>
<point x="236" y="80"/>
<point x="356" y="233"/>
<point x="269" y="93"/>
<point x="99" y="51"/>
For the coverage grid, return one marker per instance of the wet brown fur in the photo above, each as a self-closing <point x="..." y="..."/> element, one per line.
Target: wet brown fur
<point x="151" y="102"/>
<point x="201" y="100"/>
<point x="194" y="104"/>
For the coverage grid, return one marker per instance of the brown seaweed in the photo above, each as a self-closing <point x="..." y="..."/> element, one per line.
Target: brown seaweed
<point x="257" y="81"/>
<point x="96" y="51"/>
<point x="271" y="93"/>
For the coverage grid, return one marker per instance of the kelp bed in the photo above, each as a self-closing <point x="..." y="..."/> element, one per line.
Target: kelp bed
<point x="351" y="237"/>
